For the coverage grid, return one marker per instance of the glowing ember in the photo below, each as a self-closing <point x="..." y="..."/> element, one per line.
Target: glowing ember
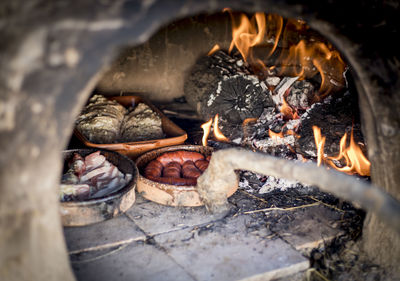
<point x="217" y="132"/>
<point x="272" y="134"/>
<point x="206" y="129"/>
<point x="214" y="49"/>
<point x="288" y="112"/>
<point x="352" y="155"/>
<point x="248" y="120"/>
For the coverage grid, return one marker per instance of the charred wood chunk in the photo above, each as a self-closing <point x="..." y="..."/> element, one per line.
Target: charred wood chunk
<point x="222" y="84"/>
<point x="301" y="95"/>
<point x="235" y="99"/>
<point x="335" y="117"/>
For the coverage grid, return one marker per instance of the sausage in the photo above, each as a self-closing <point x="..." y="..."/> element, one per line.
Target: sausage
<point x="201" y="165"/>
<point x="189" y="170"/>
<point x="153" y="169"/>
<point x="172" y="170"/>
<point x="170" y="166"/>
<point x="174" y="181"/>
<point x="179" y="156"/>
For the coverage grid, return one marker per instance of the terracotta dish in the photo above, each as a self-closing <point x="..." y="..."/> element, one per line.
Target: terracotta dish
<point x="166" y="194"/>
<point x="79" y="213"/>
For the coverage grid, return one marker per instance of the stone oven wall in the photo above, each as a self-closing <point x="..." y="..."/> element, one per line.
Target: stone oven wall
<point x="52" y="55"/>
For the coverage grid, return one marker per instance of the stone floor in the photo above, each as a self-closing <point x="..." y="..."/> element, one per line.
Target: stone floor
<point x="155" y="242"/>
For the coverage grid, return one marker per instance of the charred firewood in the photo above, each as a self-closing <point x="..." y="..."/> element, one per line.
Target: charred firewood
<point x="222" y="84"/>
<point x="335" y="117"/>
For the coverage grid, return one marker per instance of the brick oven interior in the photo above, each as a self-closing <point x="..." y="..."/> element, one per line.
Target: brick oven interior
<point x="271" y="228"/>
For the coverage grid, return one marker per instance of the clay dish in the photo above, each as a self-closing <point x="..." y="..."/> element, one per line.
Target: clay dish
<point x="166" y="194"/>
<point x="79" y="213"/>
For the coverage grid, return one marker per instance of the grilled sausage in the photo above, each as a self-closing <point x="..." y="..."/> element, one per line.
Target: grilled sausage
<point x="180" y="156"/>
<point x="153" y="169"/>
<point x="201" y="165"/>
<point x="189" y="170"/>
<point x="172" y="170"/>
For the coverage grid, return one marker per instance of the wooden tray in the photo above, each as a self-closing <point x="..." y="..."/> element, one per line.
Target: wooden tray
<point x="175" y="135"/>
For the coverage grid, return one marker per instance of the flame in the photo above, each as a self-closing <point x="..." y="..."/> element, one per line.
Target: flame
<point x="352" y="155"/>
<point x="319" y="143"/>
<point x="355" y="160"/>
<point x="217" y="132"/>
<point x="287" y="111"/>
<point x="259" y="29"/>
<point x="214" y="49"/>
<point x="206" y="131"/>
<point x="247" y="33"/>
<point x="291" y="132"/>
<point x="310" y="58"/>
<point x="304" y="58"/>
<point x="248" y="120"/>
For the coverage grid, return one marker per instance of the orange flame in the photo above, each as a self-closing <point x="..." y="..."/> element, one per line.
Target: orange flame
<point x="287" y="111"/>
<point x="206" y="131"/>
<point x="248" y="120"/>
<point x="304" y="58"/>
<point x="217" y="132"/>
<point x="319" y="143"/>
<point x="311" y="58"/>
<point x="354" y="158"/>
<point x="214" y="49"/>
<point x="291" y="132"/>
<point x="247" y="33"/>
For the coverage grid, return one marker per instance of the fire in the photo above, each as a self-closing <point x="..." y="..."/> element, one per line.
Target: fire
<point x="288" y="112"/>
<point x="217" y="132"/>
<point x="307" y="59"/>
<point x="214" y="49"/>
<point x="352" y="155"/>
<point x="304" y="58"/>
<point x="319" y="143"/>
<point x="248" y="120"/>
<point x="206" y="131"/>
<point x="247" y="33"/>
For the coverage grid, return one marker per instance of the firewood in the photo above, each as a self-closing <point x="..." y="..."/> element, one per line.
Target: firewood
<point x="222" y="84"/>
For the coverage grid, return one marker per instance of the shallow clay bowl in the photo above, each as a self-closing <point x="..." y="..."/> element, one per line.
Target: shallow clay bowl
<point x="167" y="194"/>
<point x="79" y="213"/>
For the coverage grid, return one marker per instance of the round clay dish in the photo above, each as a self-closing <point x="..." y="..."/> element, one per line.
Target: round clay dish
<point x="79" y="213"/>
<point x="167" y="194"/>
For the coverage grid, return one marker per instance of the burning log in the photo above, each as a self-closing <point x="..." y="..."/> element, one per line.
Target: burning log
<point x="222" y="84"/>
<point x="213" y="184"/>
<point x="335" y="117"/>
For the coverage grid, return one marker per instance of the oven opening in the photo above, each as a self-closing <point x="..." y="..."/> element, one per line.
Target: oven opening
<point x="180" y="140"/>
<point x="259" y="82"/>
